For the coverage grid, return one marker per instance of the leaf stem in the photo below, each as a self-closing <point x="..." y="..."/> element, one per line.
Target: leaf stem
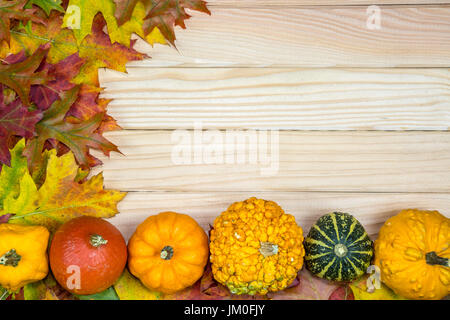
<point x="4" y="295"/>
<point x="40" y="212"/>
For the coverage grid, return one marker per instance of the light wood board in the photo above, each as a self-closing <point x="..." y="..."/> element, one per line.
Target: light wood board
<point x="308" y="161"/>
<point x="314" y="37"/>
<point x="286" y="98"/>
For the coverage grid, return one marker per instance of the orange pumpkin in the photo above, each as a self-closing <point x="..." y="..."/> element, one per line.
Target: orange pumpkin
<point x="87" y="255"/>
<point x="168" y="252"/>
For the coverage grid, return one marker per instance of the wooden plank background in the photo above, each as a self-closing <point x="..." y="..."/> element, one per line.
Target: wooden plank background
<point x="363" y="115"/>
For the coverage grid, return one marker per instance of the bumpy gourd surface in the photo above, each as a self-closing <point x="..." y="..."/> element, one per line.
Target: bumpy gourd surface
<point x="401" y="249"/>
<point x="256" y="247"/>
<point x="338" y="248"/>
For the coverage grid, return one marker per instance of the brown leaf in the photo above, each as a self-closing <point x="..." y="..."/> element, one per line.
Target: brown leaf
<point x="309" y="288"/>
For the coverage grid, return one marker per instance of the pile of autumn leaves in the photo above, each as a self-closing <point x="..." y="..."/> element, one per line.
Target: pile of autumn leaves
<point x="51" y="112"/>
<point x="50" y="54"/>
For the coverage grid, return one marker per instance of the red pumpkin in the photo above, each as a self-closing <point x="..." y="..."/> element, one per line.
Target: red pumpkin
<point x="87" y="255"/>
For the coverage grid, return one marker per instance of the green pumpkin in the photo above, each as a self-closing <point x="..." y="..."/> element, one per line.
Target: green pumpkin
<point x="338" y="248"/>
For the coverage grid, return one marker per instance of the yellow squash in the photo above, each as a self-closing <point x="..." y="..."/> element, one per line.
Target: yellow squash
<point x="413" y="252"/>
<point x="256" y="247"/>
<point x="23" y="255"/>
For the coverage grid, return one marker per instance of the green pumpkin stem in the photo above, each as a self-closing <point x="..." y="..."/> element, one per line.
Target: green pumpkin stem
<point x="433" y="259"/>
<point x="268" y="249"/>
<point x="11" y="258"/>
<point x="167" y="253"/>
<point x="97" y="240"/>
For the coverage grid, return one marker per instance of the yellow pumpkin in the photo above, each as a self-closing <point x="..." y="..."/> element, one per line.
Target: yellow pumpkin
<point x="168" y="252"/>
<point x="256" y="247"/>
<point x="23" y="255"/>
<point x="413" y="251"/>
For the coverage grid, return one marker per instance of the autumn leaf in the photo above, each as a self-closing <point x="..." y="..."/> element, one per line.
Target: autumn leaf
<point x="134" y="24"/>
<point x="46" y="5"/>
<point x="100" y="53"/>
<point x="15" y="119"/>
<point x="62" y="73"/>
<point x="130" y="288"/>
<point x="78" y="137"/>
<point x="360" y="292"/>
<point x="61" y="197"/>
<point x="309" y="288"/>
<point x="46" y="289"/>
<point x="108" y="294"/>
<point x="14" y="10"/>
<point x="4" y="293"/>
<point x="342" y="293"/>
<point x="19" y="76"/>
<point x="96" y="49"/>
<point x="165" y="14"/>
<point x="10" y="175"/>
<point x="80" y="15"/>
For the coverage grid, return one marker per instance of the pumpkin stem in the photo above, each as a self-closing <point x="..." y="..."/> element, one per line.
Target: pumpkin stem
<point x="97" y="240"/>
<point x="167" y="253"/>
<point x="11" y="258"/>
<point x="340" y="250"/>
<point x="433" y="259"/>
<point x="268" y="249"/>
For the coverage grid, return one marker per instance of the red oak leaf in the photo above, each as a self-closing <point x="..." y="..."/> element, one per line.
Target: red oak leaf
<point x="15" y="119"/>
<point x="14" y="10"/>
<point x="62" y="72"/>
<point x="20" y="73"/>
<point x="163" y="14"/>
<point x="78" y="137"/>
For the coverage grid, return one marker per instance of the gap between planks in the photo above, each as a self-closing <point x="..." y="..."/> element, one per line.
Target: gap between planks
<point x="307" y="161"/>
<point x="273" y="98"/>
<point x="370" y="209"/>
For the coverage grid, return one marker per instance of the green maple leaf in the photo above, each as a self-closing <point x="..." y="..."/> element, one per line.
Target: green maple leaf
<point x="78" y="137"/>
<point x="46" y="5"/>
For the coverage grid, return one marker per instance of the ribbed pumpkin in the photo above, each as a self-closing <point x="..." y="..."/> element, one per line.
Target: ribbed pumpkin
<point x="168" y="252"/>
<point x="256" y="248"/>
<point x="413" y="252"/>
<point x="338" y="248"/>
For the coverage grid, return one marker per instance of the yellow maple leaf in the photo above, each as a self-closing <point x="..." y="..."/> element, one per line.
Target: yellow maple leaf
<point x="130" y="288"/>
<point x="80" y="15"/>
<point x="61" y="197"/>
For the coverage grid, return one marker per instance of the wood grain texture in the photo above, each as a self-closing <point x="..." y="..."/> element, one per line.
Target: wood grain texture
<point x="286" y="98"/>
<point x="323" y="37"/>
<point x="315" y="3"/>
<point x="370" y="209"/>
<point x="308" y="161"/>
